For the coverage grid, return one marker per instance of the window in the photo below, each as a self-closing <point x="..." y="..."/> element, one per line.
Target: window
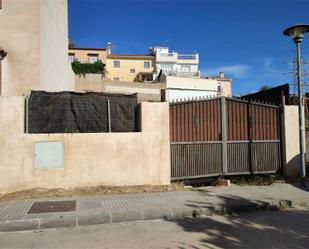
<point x="117" y="64"/>
<point x="92" y="58"/>
<point x="132" y="70"/>
<point x="146" y="64"/>
<point x="71" y="57"/>
<point x="219" y="89"/>
<point x="116" y="78"/>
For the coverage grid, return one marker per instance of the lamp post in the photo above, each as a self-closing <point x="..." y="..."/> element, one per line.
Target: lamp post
<point x="297" y="33"/>
<point x="2" y="54"/>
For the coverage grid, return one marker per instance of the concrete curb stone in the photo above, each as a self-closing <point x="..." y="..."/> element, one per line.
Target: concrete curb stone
<point x="126" y="216"/>
<point x="20" y="225"/>
<point x="157" y="214"/>
<point x="59" y="222"/>
<point x="98" y="219"/>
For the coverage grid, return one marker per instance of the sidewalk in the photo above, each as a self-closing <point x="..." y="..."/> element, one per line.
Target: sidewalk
<point x="17" y="216"/>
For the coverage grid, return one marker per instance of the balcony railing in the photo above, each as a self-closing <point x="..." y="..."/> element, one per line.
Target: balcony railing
<point x="166" y="54"/>
<point x="186" y="57"/>
<point x="182" y="74"/>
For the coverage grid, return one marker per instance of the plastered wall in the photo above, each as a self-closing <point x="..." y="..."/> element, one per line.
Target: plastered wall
<point x="89" y="159"/>
<point x="34" y="33"/>
<point x="290" y="133"/>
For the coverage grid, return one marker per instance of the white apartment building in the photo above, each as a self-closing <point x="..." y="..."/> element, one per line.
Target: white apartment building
<point x="175" y="64"/>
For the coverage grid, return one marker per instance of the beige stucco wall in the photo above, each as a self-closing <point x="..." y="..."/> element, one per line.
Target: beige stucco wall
<point x="20" y="37"/>
<point x="89" y="159"/>
<point x="127" y="63"/>
<point x="82" y="54"/>
<point x="56" y="71"/>
<point x="95" y="83"/>
<point x="35" y="35"/>
<point x="290" y="135"/>
<point x="226" y="88"/>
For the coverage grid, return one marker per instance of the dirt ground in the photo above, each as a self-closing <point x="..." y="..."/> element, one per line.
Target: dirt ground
<point x="115" y="190"/>
<point x="89" y="191"/>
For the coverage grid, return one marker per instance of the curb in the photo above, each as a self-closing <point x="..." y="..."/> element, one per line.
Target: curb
<point x="166" y="214"/>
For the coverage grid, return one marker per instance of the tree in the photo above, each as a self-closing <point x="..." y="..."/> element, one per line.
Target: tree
<point x="264" y="88"/>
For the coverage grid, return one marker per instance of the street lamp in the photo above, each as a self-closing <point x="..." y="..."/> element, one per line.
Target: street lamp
<point x="2" y="54"/>
<point x="297" y="33"/>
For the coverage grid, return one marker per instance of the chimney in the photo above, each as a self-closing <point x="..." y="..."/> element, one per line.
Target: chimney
<point x="221" y="75"/>
<point x="109" y="48"/>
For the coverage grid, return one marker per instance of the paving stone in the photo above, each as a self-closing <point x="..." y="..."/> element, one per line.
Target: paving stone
<point x="15" y="210"/>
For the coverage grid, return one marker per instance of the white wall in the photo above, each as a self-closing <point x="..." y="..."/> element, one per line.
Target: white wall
<point x="178" y="94"/>
<point x="191" y="83"/>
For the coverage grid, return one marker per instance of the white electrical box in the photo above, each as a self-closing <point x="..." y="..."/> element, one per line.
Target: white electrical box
<point x="48" y="154"/>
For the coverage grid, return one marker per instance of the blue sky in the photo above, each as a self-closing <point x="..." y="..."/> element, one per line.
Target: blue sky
<point x="242" y="38"/>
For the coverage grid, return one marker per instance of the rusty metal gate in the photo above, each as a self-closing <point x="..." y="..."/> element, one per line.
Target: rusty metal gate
<point x="223" y="136"/>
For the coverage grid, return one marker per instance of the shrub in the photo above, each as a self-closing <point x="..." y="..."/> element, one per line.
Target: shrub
<point x="82" y="69"/>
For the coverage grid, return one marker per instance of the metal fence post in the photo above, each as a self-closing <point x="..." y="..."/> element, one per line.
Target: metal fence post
<point x="223" y="136"/>
<point x="109" y="116"/>
<point x="27" y="114"/>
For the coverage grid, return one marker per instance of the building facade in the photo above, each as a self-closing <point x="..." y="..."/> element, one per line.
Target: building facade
<point x="87" y="55"/>
<point x="34" y="34"/>
<point x="119" y="67"/>
<point x="179" y="72"/>
<point x="175" y="64"/>
<point x="130" y="67"/>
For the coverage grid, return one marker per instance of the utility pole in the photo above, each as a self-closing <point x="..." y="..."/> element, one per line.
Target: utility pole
<point x="294" y="73"/>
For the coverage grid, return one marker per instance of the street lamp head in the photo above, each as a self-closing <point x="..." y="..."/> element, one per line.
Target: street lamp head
<point x="297" y="32"/>
<point x="2" y="54"/>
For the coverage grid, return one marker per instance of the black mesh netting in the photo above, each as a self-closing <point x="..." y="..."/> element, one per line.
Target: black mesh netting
<point x="68" y="112"/>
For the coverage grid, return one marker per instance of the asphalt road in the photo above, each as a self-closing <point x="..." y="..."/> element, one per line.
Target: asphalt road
<point x="267" y="229"/>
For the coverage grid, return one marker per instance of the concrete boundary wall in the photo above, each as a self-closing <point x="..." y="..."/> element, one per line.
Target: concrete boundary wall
<point x="290" y="140"/>
<point x="90" y="159"/>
